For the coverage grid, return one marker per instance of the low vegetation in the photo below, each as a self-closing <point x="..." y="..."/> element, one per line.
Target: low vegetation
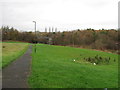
<point x="11" y="51"/>
<point x="67" y="67"/>
<point x="99" y="59"/>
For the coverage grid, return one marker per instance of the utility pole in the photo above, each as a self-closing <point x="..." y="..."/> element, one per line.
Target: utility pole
<point x="52" y="29"/>
<point x="45" y="29"/>
<point x="49" y="29"/>
<point x="35" y="36"/>
<point x="56" y="30"/>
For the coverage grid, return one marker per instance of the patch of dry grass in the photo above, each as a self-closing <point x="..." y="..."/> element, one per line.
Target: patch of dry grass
<point x="11" y="51"/>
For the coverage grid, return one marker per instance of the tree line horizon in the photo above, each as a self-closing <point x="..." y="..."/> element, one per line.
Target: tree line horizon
<point x="104" y="39"/>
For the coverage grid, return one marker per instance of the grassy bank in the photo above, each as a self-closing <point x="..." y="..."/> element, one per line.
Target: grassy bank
<point x="67" y="67"/>
<point x="11" y="51"/>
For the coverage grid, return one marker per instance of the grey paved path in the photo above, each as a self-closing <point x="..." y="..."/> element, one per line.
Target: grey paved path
<point x="15" y="75"/>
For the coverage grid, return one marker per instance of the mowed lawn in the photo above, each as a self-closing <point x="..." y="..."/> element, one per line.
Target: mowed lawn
<point x="54" y="67"/>
<point x="11" y="51"/>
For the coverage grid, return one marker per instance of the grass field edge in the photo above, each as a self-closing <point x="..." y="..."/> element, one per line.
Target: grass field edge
<point x="20" y="54"/>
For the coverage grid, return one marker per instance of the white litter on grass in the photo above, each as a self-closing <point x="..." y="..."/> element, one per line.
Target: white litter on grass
<point x="74" y="60"/>
<point x="94" y="63"/>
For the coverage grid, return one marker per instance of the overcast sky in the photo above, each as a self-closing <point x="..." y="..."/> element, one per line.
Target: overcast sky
<point x="63" y="14"/>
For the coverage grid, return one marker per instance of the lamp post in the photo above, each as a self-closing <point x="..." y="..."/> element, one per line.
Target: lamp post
<point x="35" y="36"/>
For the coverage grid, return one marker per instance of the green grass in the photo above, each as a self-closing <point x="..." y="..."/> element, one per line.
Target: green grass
<point x="53" y="67"/>
<point x="9" y="41"/>
<point x="11" y="51"/>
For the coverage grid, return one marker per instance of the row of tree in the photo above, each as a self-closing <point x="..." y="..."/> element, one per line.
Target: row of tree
<point x="89" y="38"/>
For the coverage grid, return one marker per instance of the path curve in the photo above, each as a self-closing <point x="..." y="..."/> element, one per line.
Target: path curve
<point x="15" y="75"/>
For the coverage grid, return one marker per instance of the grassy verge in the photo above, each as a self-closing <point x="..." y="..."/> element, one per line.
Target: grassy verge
<point x="11" y="51"/>
<point x="54" y="67"/>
